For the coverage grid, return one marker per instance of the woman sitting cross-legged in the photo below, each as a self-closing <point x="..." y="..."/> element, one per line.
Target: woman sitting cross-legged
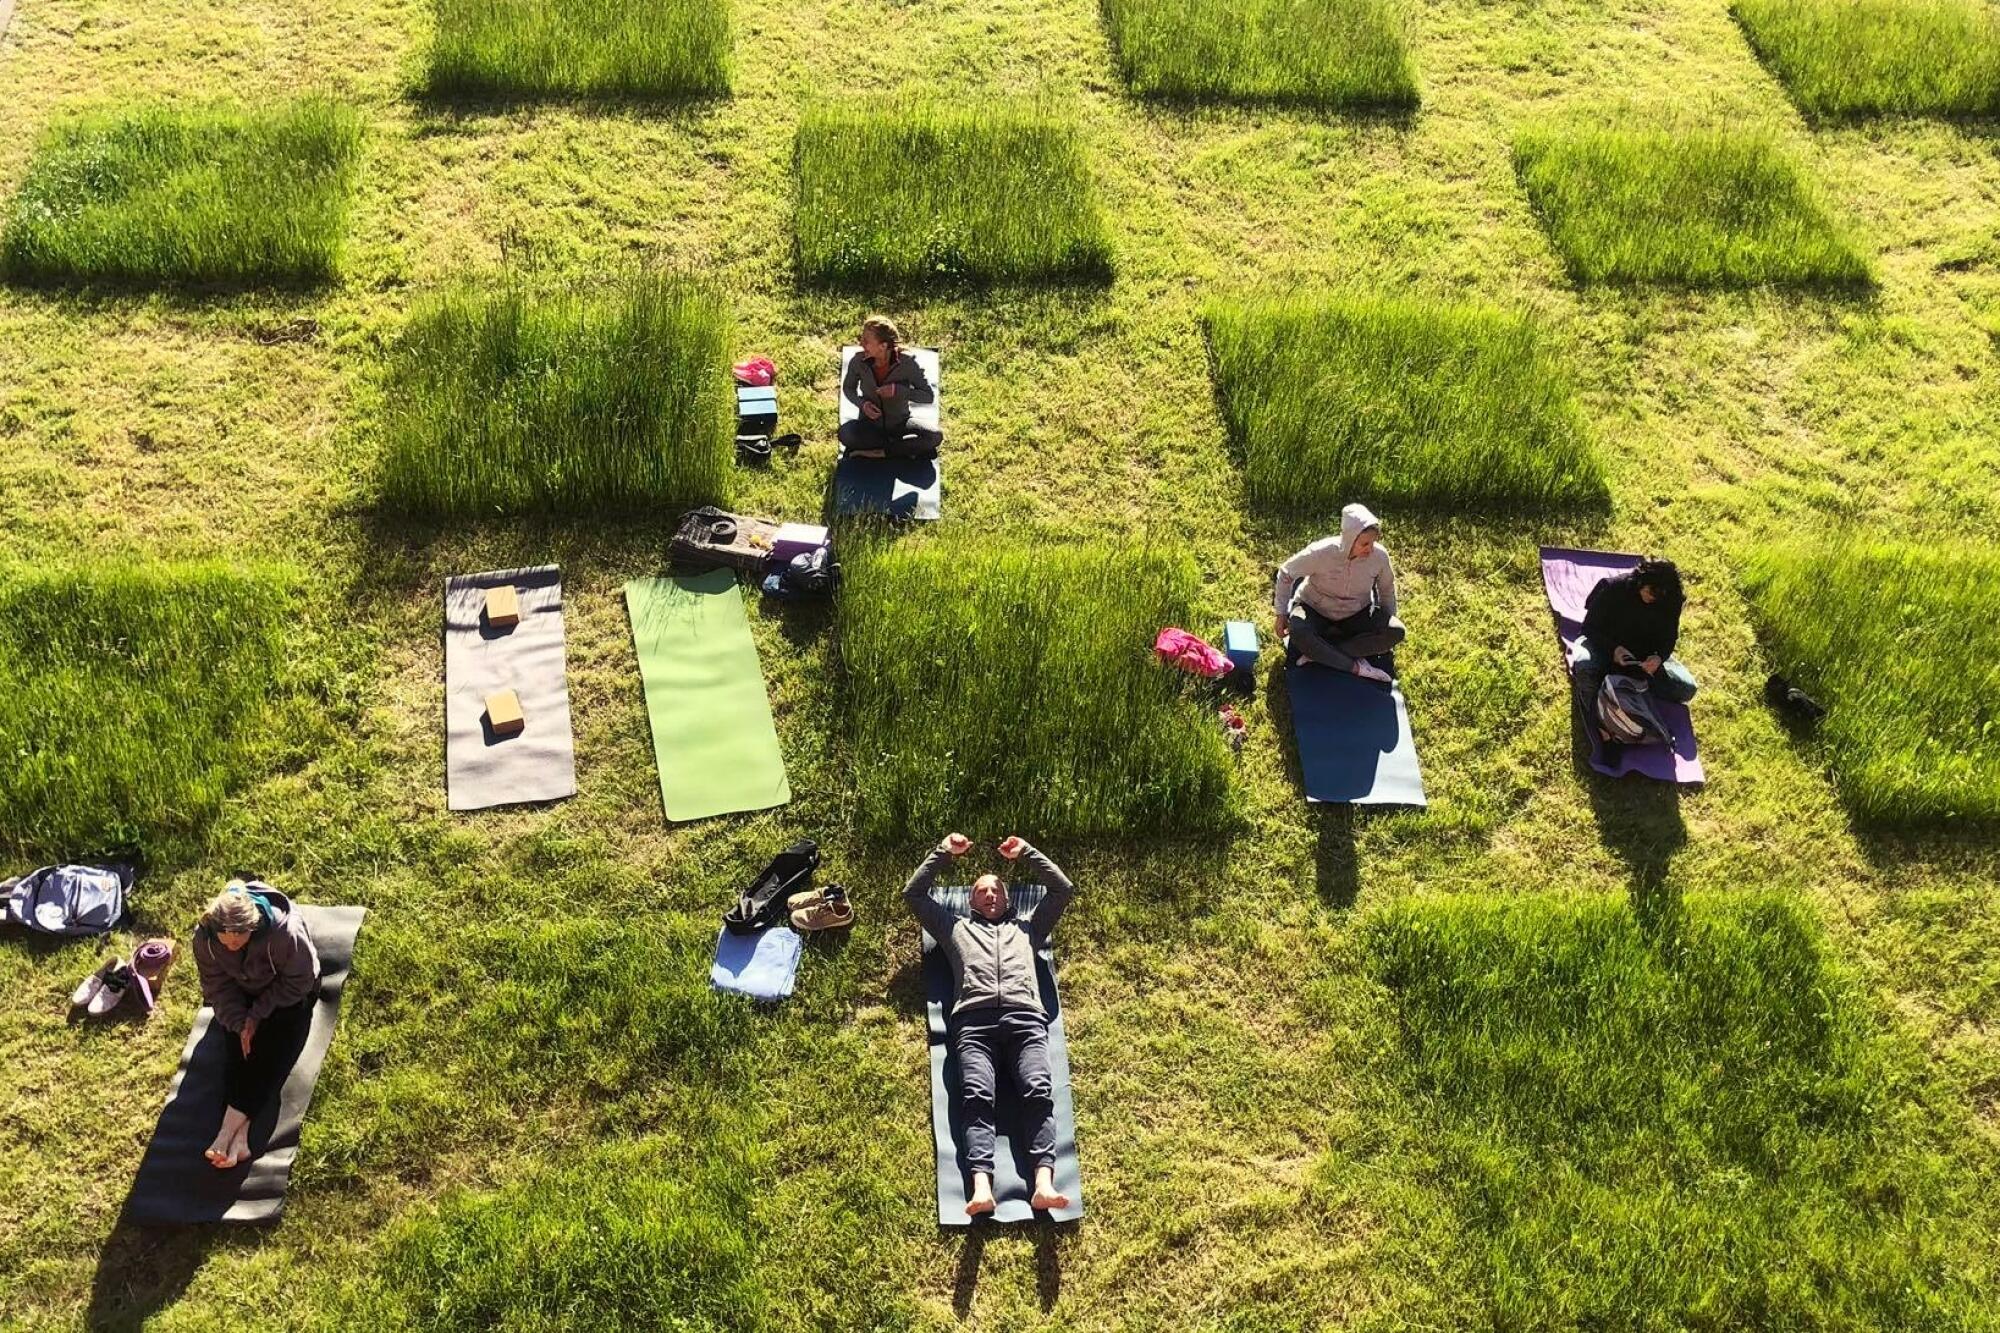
<point x="885" y="382"/>
<point x="260" y="974"/>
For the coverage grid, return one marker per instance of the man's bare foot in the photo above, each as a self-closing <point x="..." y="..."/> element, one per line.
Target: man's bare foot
<point x="981" y="1202"/>
<point x="1046" y="1198"/>
<point x="1369" y="671"/>
<point x="239" y="1147"/>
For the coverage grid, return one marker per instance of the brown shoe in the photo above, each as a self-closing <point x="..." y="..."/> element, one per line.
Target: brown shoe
<point x="832" y="912"/>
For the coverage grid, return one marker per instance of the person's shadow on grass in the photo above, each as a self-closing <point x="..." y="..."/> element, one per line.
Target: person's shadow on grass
<point x="143" y="1269"/>
<point x="1048" y="1239"/>
<point x="1640" y="822"/>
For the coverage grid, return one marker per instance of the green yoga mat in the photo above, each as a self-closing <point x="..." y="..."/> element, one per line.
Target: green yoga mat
<point x="713" y="740"/>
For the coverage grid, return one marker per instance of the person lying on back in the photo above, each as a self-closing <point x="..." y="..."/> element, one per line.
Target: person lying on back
<point x="885" y="382"/>
<point x="997" y="1014"/>
<point x="1632" y="624"/>
<point x="1336" y="599"/>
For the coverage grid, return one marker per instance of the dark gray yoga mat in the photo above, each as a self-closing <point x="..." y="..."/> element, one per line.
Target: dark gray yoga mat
<point x="1013" y="1175"/>
<point x="539" y="764"/>
<point x="175" y="1184"/>
<point x="1355" y="746"/>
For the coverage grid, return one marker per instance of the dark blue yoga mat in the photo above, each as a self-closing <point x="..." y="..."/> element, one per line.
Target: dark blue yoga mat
<point x="901" y="488"/>
<point x="1355" y="746"/>
<point x="1013" y="1174"/>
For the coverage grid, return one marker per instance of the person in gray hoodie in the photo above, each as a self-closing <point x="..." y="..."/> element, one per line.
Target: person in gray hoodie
<point x="884" y="382"/>
<point x="998" y="1012"/>
<point x="260" y="974"/>
<point x="1336" y="599"/>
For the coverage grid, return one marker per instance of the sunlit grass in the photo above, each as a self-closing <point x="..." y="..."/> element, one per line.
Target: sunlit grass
<point x="1901" y="642"/>
<point x="1880" y="57"/>
<point x="580" y="48"/>
<point x="161" y="195"/>
<point x="1697" y="207"/>
<point x="1397" y="401"/>
<point x="1330" y="53"/>
<point x="581" y="400"/>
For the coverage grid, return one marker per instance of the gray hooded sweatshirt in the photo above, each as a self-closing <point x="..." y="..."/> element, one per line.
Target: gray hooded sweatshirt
<point x="1327" y="581"/>
<point x="278" y="968"/>
<point x="993" y="961"/>
<point x="905" y="372"/>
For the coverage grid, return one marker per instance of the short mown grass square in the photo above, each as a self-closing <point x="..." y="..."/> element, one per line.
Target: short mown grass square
<point x="1326" y="53"/>
<point x="1696" y="207"/>
<point x="1901" y="643"/>
<point x="1682" y="1119"/>
<point x="162" y="196"/>
<point x="1010" y="686"/>
<point x="525" y="399"/>
<point x="912" y="191"/>
<point x="134" y="699"/>
<point x="639" y="49"/>
<point x="1331" y="399"/>
<point x="1851" y="58"/>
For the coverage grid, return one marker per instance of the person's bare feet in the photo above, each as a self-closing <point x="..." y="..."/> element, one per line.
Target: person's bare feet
<point x="1369" y="671"/>
<point x="239" y="1147"/>
<point x="981" y="1202"/>
<point x="1046" y="1198"/>
<point x="232" y="1140"/>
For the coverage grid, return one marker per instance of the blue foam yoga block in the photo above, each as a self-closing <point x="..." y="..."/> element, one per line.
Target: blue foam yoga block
<point x="1239" y="643"/>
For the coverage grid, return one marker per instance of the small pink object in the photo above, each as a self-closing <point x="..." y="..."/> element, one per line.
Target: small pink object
<point x="757" y="371"/>
<point x="1178" y="648"/>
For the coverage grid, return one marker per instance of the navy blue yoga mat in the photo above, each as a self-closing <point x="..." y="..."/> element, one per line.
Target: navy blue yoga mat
<point x="902" y="488"/>
<point x="1355" y="746"/>
<point x="1013" y="1174"/>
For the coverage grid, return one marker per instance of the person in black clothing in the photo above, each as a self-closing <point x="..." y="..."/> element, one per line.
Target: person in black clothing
<point x="1631" y="624"/>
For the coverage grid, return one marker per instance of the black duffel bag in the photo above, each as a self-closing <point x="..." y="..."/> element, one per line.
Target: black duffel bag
<point x="763" y="903"/>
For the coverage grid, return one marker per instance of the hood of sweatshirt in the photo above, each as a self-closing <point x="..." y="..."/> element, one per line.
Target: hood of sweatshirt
<point x="1355" y="519"/>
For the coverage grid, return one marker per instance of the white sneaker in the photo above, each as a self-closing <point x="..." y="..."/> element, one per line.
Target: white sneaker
<point x="87" y="989"/>
<point x="1369" y="671"/>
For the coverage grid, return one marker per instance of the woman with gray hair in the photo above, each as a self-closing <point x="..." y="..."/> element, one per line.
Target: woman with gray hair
<point x="260" y="974"/>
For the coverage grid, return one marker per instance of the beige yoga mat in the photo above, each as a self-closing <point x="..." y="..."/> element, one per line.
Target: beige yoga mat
<point x="482" y="767"/>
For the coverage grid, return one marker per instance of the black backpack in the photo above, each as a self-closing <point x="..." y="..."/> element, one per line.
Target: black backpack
<point x="763" y="903"/>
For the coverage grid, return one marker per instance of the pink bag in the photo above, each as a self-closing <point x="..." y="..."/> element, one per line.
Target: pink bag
<point x="756" y="370"/>
<point x="1178" y="648"/>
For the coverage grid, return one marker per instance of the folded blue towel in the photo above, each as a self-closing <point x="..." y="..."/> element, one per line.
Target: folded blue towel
<point x="762" y="965"/>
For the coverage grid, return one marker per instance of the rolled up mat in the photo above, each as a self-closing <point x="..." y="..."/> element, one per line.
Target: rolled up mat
<point x="713" y="740"/>
<point x="1567" y="578"/>
<point x="175" y="1183"/>
<point x="482" y="768"/>
<point x="763" y="965"/>
<point x="897" y="487"/>
<point x="1355" y="746"/>
<point x="1013" y="1173"/>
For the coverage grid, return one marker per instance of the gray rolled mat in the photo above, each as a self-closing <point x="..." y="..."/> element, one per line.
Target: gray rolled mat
<point x="175" y="1184"/>
<point x="539" y="764"/>
<point x="1013" y="1174"/>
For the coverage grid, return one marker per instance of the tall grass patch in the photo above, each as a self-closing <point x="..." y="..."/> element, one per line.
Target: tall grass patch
<point x="578" y="400"/>
<point x="1328" y="53"/>
<point x="1331" y="399"/>
<point x="133" y="699"/>
<point x="1693" y="1127"/>
<point x="1699" y="207"/>
<point x="1902" y="644"/>
<point x="580" y="48"/>
<point x="162" y="195"/>
<point x="1009" y="687"/>
<point x="1880" y="57"/>
<point x="912" y="190"/>
<point x="624" y="1238"/>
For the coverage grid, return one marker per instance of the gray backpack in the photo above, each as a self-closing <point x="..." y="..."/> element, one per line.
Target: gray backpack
<point x="1625" y="709"/>
<point x="68" y="900"/>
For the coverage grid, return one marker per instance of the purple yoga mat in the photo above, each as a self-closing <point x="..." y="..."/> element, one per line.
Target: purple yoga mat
<point x="1568" y="576"/>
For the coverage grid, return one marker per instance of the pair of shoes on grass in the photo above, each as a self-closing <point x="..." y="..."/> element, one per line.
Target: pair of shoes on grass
<point x="821" y="909"/>
<point x="142" y="975"/>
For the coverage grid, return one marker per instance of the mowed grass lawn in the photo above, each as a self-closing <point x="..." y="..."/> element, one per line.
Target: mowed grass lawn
<point x="536" y="1113"/>
<point x="1880" y="57"/>
<point x="1700" y="207"/>
<point x="167" y="195"/>
<point x="1397" y="402"/>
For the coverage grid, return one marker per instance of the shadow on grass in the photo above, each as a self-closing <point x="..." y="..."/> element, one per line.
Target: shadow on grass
<point x="1048" y="1238"/>
<point x="1180" y="114"/>
<point x="1336" y="865"/>
<point x="1640" y="822"/>
<point x="142" y="1269"/>
<point x="441" y="111"/>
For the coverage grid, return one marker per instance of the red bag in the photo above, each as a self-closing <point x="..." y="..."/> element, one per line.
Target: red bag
<point x="1178" y="648"/>
<point x="757" y="370"/>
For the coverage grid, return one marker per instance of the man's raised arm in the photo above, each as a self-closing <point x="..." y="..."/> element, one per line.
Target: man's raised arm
<point x="917" y="893"/>
<point x="1060" y="891"/>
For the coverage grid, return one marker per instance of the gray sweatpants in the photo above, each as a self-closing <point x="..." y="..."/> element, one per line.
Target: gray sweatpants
<point x="1020" y="1037"/>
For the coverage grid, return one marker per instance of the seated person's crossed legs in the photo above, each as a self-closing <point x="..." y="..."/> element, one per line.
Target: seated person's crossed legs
<point x="1340" y="643"/>
<point x="867" y="439"/>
